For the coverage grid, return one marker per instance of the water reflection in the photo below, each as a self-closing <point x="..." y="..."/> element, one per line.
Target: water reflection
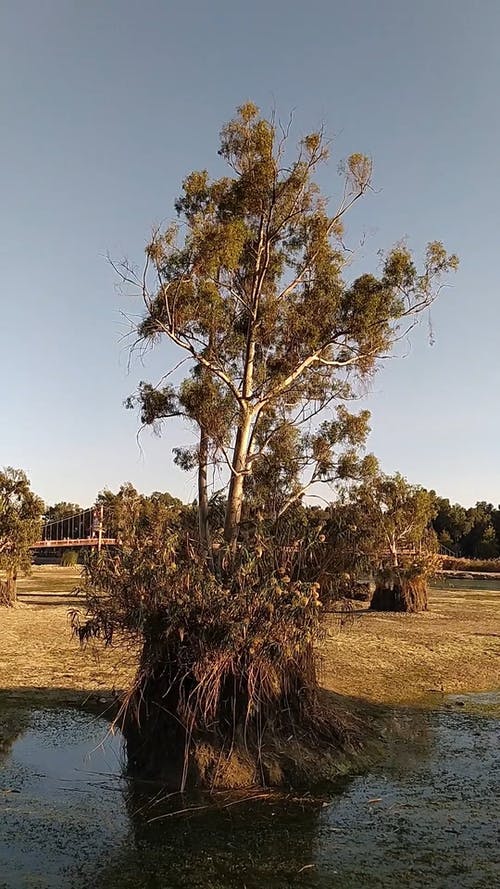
<point x="258" y="846"/>
<point x="426" y="817"/>
<point x="58" y="792"/>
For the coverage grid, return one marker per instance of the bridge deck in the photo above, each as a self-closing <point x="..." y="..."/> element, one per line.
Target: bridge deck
<point x="76" y="541"/>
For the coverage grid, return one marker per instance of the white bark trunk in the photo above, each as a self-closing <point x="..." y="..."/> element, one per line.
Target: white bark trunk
<point x="202" y="493"/>
<point x="235" y="496"/>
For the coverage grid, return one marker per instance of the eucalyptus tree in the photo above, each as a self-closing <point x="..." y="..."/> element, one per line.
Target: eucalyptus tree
<point x="20" y="524"/>
<point x="401" y="514"/>
<point x="252" y="287"/>
<point x="274" y="337"/>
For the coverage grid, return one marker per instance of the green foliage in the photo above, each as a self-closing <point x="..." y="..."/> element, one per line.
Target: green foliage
<point x="69" y="558"/>
<point x="473" y="533"/>
<point x="62" y="510"/>
<point x="487" y="547"/>
<point x="20" y="525"/>
<point x="252" y="287"/>
<point x="398" y="514"/>
<point x="258" y="596"/>
<point x="133" y="517"/>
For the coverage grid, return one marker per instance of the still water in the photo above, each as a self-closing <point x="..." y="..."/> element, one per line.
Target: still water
<point x="425" y="817"/>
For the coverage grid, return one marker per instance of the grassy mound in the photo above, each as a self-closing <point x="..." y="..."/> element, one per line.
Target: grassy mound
<point x="400" y="590"/>
<point x="226" y="693"/>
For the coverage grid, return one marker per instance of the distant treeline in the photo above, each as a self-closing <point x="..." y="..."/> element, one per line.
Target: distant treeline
<point x="472" y="533"/>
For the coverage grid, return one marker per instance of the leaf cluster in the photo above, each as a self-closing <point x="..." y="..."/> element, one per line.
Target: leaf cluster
<point x="20" y="520"/>
<point x="252" y="285"/>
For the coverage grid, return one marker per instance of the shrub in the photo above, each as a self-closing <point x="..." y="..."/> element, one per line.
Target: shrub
<point x="69" y="557"/>
<point x="228" y="664"/>
<point x="404" y="587"/>
<point x="459" y="564"/>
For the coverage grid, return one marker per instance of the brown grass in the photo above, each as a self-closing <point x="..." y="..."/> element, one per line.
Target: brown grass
<point x="405" y="658"/>
<point x="378" y="657"/>
<point x="452" y="563"/>
<point x="37" y="649"/>
<point x="47" y="581"/>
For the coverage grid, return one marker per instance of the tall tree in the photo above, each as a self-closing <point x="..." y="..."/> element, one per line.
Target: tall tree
<point x="251" y="287"/>
<point x="130" y="516"/>
<point x="20" y="525"/>
<point x="400" y="512"/>
<point x="480" y="542"/>
<point x="451" y="523"/>
<point x="63" y="520"/>
<point x="274" y="339"/>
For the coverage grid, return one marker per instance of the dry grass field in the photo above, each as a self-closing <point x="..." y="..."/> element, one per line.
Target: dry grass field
<point x="47" y="583"/>
<point x="404" y="658"/>
<point x="381" y="658"/>
<point x="37" y="649"/>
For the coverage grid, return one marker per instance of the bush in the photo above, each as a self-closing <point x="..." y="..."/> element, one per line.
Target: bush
<point x="485" y="565"/>
<point x="228" y="666"/>
<point x="395" y="591"/>
<point x="69" y="558"/>
<point x="404" y="588"/>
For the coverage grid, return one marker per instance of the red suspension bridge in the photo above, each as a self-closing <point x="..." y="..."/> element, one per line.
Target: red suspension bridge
<point x="87" y="528"/>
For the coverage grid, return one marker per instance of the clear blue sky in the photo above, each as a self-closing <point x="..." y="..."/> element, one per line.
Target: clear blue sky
<point x="106" y="104"/>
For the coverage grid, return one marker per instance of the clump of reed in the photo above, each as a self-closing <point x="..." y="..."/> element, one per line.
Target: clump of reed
<point x="404" y="587"/>
<point x="228" y="669"/>
<point x="452" y="563"/>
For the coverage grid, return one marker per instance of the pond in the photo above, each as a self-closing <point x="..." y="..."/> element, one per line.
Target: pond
<point x="425" y="816"/>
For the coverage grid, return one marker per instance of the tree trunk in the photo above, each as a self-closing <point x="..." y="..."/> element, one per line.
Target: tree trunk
<point x="202" y="492"/>
<point x="394" y="555"/>
<point x="243" y="435"/>
<point x="235" y="496"/>
<point x="8" y="588"/>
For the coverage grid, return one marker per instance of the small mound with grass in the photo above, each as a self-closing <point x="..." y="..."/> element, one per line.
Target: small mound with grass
<point x="226" y="694"/>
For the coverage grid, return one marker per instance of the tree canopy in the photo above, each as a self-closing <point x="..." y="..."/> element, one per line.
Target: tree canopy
<point x="252" y="286"/>
<point x="20" y="524"/>
<point x="473" y="533"/>
<point x="399" y="514"/>
<point x="132" y="517"/>
<point x="61" y="510"/>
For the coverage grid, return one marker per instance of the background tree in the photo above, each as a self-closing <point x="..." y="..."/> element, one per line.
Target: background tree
<point x="61" y="510"/>
<point x="72" y="525"/>
<point x="472" y="533"/>
<point x="400" y="512"/>
<point x="130" y="516"/>
<point x="20" y="525"/>
<point x="480" y="542"/>
<point x="451" y="524"/>
<point x="400" y="515"/>
<point x="495" y="519"/>
<point x="351" y="551"/>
